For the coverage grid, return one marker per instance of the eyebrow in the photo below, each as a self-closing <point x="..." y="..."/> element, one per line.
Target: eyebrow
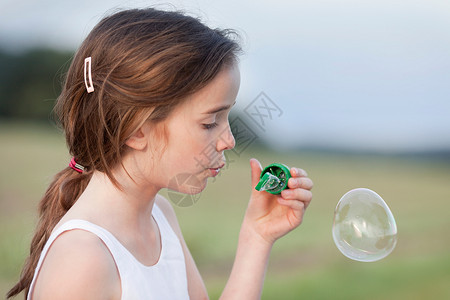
<point x="219" y="109"/>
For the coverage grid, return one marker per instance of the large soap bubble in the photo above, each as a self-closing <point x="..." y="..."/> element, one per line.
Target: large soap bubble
<point x="364" y="228"/>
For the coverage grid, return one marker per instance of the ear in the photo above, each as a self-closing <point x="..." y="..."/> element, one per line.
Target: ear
<point x="139" y="139"/>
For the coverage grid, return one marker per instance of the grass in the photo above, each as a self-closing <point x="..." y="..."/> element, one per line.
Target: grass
<point x="304" y="264"/>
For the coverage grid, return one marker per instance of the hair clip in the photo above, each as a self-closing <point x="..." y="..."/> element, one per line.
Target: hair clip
<point x="90" y="86"/>
<point x="74" y="165"/>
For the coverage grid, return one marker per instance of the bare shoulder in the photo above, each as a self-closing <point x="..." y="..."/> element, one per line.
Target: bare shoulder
<point x="78" y="266"/>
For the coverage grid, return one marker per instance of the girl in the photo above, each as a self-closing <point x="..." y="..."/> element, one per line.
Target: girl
<point x="146" y="92"/>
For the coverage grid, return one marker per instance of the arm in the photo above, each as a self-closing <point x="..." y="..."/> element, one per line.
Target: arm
<point x="268" y="217"/>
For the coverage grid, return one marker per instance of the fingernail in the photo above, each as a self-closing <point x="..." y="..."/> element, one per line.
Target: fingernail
<point x="291" y="182"/>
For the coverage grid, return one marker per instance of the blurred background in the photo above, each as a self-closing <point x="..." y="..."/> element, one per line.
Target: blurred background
<point x="355" y="92"/>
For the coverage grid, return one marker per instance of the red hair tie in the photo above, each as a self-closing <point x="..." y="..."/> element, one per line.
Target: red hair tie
<point x="77" y="167"/>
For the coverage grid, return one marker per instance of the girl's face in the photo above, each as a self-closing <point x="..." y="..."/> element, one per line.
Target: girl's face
<point x="198" y="132"/>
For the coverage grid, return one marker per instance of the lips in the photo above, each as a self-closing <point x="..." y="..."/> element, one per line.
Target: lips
<point x="219" y="167"/>
<point x="215" y="171"/>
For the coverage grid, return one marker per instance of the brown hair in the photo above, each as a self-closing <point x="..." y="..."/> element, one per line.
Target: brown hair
<point x="144" y="63"/>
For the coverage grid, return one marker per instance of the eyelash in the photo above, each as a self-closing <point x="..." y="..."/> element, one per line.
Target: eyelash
<point x="210" y="126"/>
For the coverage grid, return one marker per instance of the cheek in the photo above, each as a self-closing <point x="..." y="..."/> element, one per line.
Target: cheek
<point x="184" y="148"/>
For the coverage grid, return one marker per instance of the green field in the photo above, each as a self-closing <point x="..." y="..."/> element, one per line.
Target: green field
<point x="304" y="264"/>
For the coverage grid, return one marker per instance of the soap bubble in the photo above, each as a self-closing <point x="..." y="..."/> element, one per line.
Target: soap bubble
<point x="364" y="228"/>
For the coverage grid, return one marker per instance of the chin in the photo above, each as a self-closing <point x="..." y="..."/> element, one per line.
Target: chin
<point x="188" y="183"/>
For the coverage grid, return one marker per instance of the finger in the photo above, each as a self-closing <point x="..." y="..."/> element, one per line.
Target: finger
<point x="256" y="170"/>
<point x="297" y="194"/>
<point x="300" y="182"/>
<point x="297" y="172"/>
<point x="294" y="204"/>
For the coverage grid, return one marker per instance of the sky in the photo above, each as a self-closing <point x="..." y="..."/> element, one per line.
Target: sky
<point x="349" y="74"/>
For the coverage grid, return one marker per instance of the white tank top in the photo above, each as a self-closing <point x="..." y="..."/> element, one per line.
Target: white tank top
<point x="165" y="280"/>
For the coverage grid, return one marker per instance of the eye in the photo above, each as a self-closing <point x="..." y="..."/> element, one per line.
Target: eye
<point x="210" y="126"/>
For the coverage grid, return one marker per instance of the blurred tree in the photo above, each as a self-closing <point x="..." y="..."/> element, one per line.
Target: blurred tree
<point x="31" y="82"/>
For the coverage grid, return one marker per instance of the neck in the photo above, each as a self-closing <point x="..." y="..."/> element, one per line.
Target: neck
<point x="126" y="212"/>
<point x="106" y="203"/>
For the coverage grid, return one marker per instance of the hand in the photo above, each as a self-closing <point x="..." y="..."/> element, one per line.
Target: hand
<point x="272" y="216"/>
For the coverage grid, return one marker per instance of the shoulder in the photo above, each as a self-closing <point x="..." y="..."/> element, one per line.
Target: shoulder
<point x="78" y="266"/>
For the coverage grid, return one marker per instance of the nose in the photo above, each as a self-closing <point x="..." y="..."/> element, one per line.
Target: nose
<point x="226" y="140"/>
